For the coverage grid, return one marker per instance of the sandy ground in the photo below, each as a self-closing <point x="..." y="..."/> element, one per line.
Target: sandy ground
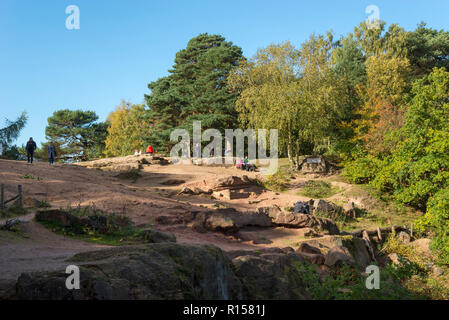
<point x="142" y="201"/>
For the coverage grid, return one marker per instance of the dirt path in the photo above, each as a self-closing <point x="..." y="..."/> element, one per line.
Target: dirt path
<point x="36" y="248"/>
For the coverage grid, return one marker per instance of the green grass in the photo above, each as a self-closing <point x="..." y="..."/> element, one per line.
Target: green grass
<point x="119" y="228"/>
<point x="13" y="211"/>
<point x="318" y="189"/>
<point x="30" y="176"/>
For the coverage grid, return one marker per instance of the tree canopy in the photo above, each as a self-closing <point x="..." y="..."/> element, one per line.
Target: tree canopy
<point x="77" y="133"/>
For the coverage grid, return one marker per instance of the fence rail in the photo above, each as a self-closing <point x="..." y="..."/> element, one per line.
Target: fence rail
<point x="18" y="198"/>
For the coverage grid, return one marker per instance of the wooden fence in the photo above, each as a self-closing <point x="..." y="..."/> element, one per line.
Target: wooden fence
<point x="18" y="198"/>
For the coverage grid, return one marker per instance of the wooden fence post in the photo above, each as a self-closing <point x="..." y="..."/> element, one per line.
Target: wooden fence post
<point x="2" y="203"/>
<point x="20" y="195"/>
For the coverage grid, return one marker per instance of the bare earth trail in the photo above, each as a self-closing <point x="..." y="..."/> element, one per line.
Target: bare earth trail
<point x="149" y="197"/>
<point x="36" y="248"/>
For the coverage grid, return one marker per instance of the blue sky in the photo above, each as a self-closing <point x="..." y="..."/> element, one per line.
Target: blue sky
<point x="123" y="45"/>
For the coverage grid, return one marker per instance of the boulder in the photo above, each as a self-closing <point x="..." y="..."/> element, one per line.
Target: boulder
<point x="149" y="272"/>
<point x="301" y="207"/>
<point x="307" y="248"/>
<point x="325" y="206"/>
<point x="66" y="219"/>
<point x="404" y="237"/>
<point x="422" y="247"/>
<point x="299" y="220"/>
<point x="338" y="255"/>
<point x="314" y="258"/>
<point x="271" y="276"/>
<point x="229" y="220"/>
<point x="350" y="210"/>
<point x="156" y="236"/>
<point x="313" y="164"/>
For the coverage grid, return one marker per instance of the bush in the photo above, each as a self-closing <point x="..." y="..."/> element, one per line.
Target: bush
<point x="436" y="220"/>
<point x="362" y="169"/>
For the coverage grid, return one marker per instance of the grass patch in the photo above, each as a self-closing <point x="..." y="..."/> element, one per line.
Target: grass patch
<point x="318" y="189"/>
<point x="346" y="283"/>
<point x="30" y="176"/>
<point x="110" y="229"/>
<point x="278" y="181"/>
<point x="13" y="211"/>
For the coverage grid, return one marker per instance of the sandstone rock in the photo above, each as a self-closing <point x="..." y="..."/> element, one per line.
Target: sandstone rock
<point x="395" y="259"/>
<point x="337" y="255"/>
<point x="404" y="237"/>
<point x="437" y="271"/>
<point x="231" y="182"/>
<point x="299" y="220"/>
<point x="314" y="258"/>
<point x="422" y="246"/>
<point x="173" y="182"/>
<point x="64" y="218"/>
<point x="149" y="272"/>
<point x="219" y="222"/>
<point x="229" y="220"/>
<point x="325" y="206"/>
<point x="270" y="276"/>
<point x="155" y="236"/>
<point x="306" y="248"/>
<point x="186" y="190"/>
<point x="350" y="210"/>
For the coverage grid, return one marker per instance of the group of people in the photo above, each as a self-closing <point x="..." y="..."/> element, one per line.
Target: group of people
<point x="31" y="147"/>
<point x="149" y="151"/>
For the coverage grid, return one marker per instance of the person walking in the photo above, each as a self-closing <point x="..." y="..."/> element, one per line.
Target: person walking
<point x="30" y="147"/>
<point x="51" y="153"/>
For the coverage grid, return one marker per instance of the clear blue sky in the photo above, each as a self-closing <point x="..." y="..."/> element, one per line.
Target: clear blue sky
<point x="123" y="45"/>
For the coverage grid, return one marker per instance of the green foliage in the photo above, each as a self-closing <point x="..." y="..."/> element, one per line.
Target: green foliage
<point x="436" y="220"/>
<point x="30" y="176"/>
<point x="77" y="134"/>
<point x="119" y="229"/>
<point x="196" y="89"/>
<point x="318" y="189"/>
<point x="427" y="49"/>
<point x="362" y="169"/>
<point x="10" y="133"/>
<point x="347" y="283"/>
<point x="276" y="182"/>
<point x="127" y="128"/>
<point x="419" y="166"/>
<point x="12" y="211"/>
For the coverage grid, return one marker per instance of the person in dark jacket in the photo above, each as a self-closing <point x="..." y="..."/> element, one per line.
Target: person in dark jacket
<point x="30" y="147"/>
<point x="51" y="153"/>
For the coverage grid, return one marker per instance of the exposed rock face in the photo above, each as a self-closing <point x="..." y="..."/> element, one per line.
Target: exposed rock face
<point x="299" y="220"/>
<point x="337" y="255"/>
<point x="270" y="276"/>
<point x="157" y="271"/>
<point x="312" y="164"/>
<point x="124" y="164"/>
<point x="66" y="219"/>
<point x="404" y="237"/>
<point x="307" y="248"/>
<point x="156" y="236"/>
<point x="172" y="271"/>
<point x="230" y="220"/>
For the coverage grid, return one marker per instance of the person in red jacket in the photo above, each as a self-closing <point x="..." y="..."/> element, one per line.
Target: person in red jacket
<point x="149" y="150"/>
